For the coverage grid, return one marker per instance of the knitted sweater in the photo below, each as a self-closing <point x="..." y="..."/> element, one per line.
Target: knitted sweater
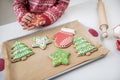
<point x="50" y="10"/>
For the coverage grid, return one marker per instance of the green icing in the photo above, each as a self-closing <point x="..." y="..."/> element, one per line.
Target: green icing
<point x="19" y="56"/>
<point x="15" y="44"/>
<point x="83" y="46"/>
<point x="59" y="57"/>
<point x="79" y="42"/>
<point x="20" y="50"/>
<point x="17" y="47"/>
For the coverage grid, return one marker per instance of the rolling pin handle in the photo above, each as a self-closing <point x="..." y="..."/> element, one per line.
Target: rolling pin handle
<point x="104" y="28"/>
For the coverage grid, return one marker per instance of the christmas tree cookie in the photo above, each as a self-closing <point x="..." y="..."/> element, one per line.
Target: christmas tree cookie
<point x="60" y="57"/>
<point x="41" y="42"/>
<point x="20" y="52"/>
<point x="83" y="47"/>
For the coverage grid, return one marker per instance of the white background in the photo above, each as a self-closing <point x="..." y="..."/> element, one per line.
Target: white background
<point x="85" y="11"/>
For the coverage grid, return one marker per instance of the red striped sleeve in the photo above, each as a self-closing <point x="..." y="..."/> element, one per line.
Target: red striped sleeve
<point x="55" y="12"/>
<point x="19" y="7"/>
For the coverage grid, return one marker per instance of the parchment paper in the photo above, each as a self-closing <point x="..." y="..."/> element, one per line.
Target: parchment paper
<point x="39" y="66"/>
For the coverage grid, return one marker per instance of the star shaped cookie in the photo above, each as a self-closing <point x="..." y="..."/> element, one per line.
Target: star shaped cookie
<point x="60" y="57"/>
<point x="41" y="42"/>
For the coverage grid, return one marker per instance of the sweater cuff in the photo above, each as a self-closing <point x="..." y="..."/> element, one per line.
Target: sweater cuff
<point x="20" y="19"/>
<point x="47" y="20"/>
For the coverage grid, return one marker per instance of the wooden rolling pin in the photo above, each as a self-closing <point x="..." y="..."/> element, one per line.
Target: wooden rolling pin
<point x="103" y="24"/>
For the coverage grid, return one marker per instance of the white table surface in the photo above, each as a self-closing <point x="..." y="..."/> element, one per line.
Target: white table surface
<point x="107" y="68"/>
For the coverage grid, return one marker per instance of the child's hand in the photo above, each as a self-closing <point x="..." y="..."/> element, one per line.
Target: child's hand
<point x="42" y="21"/>
<point x="38" y="21"/>
<point x="26" y="19"/>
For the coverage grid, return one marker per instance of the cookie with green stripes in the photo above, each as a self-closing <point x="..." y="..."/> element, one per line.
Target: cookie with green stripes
<point x="20" y="51"/>
<point x="83" y="47"/>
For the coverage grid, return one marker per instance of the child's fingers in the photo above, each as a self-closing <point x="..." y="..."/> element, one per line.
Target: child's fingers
<point x="42" y="22"/>
<point x="30" y="28"/>
<point x="30" y="15"/>
<point x="24" y="28"/>
<point x="28" y="21"/>
<point x="28" y="18"/>
<point x="23" y="24"/>
<point x="24" y="20"/>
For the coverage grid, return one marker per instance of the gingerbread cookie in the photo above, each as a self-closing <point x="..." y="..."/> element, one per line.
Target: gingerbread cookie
<point x="64" y="37"/>
<point x="83" y="47"/>
<point x="37" y="21"/>
<point x="20" y="52"/>
<point x="41" y="42"/>
<point x="60" y="57"/>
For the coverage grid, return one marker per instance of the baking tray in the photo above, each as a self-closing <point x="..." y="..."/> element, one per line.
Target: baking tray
<point x="39" y="66"/>
<point x="75" y="67"/>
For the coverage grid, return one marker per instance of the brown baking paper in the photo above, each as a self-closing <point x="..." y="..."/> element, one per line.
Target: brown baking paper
<point x="39" y="66"/>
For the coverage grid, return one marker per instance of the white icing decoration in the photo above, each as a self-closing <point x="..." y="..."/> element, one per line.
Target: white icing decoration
<point x="68" y="30"/>
<point x="41" y="42"/>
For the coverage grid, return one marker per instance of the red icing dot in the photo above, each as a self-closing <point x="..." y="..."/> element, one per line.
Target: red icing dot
<point x="1" y="64"/>
<point x="93" y="32"/>
<point x="118" y="45"/>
